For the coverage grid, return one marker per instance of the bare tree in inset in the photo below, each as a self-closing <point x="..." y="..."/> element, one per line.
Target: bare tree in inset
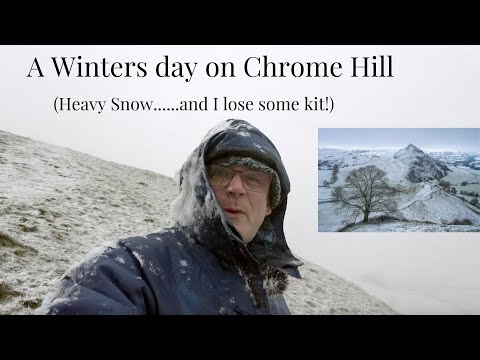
<point x="366" y="190"/>
<point x="334" y="178"/>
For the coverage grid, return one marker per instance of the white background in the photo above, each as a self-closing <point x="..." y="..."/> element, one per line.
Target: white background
<point x="433" y="86"/>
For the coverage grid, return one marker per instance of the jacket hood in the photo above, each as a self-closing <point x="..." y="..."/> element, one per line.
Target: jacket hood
<point x="197" y="211"/>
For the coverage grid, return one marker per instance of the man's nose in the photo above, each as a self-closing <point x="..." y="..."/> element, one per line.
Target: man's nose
<point x="236" y="186"/>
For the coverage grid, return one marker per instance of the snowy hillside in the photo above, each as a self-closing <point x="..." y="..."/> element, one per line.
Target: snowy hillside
<point x="425" y="202"/>
<point x="409" y="154"/>
<point x="450" y="157"/>
<point x="57" y="204"/>
<point x="322" y="293"/>
<point x="421" y="167"/>
<point x="457" y="158"/>
<point x="421" y="202"/>
<point x="327" y="158"/>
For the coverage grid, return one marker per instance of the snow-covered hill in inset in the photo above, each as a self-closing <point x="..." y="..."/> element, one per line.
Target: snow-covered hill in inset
<point x="382" y="159"/>
<point x="426" y="207"/>
<point x="409" y="154"/>
<point x="451" y="157"/>
<point x="457" y="158"/>
<point x="423" y="203"/>
<point x="57" y="205"/>
<point x="464" y="179"/>
<point x="327" y="158"/>
<point x="421" y="167"/>
<point x="408" y="226"/>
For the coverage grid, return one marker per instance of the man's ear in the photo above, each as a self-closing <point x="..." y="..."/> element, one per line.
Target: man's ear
<point x="269" y="211"/>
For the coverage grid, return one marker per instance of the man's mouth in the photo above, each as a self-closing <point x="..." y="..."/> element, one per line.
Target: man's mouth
<point x="233" y="212"/>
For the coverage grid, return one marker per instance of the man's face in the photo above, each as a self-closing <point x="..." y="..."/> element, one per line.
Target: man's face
<point x="246" y="209"/>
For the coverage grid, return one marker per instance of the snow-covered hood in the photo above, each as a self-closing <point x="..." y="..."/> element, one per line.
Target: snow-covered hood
<point x="197" y="211"/>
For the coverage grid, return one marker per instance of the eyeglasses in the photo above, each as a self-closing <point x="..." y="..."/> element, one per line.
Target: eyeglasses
<point x="252" y="180"/>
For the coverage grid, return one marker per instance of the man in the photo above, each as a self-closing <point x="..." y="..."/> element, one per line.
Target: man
<point x="226" y="253"/>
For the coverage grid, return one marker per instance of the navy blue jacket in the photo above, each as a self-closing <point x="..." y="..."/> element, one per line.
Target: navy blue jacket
<point x="200" y="265"/>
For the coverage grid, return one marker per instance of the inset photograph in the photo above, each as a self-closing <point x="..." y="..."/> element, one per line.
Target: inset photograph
<point x="399" y="180"/>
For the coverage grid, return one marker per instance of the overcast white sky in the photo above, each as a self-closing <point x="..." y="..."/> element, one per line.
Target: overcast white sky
<point x="430" y="139"/>
<point x="431" y="87"/>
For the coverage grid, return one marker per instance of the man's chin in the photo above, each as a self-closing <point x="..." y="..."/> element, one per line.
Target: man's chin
<point x="237" y="223"/>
